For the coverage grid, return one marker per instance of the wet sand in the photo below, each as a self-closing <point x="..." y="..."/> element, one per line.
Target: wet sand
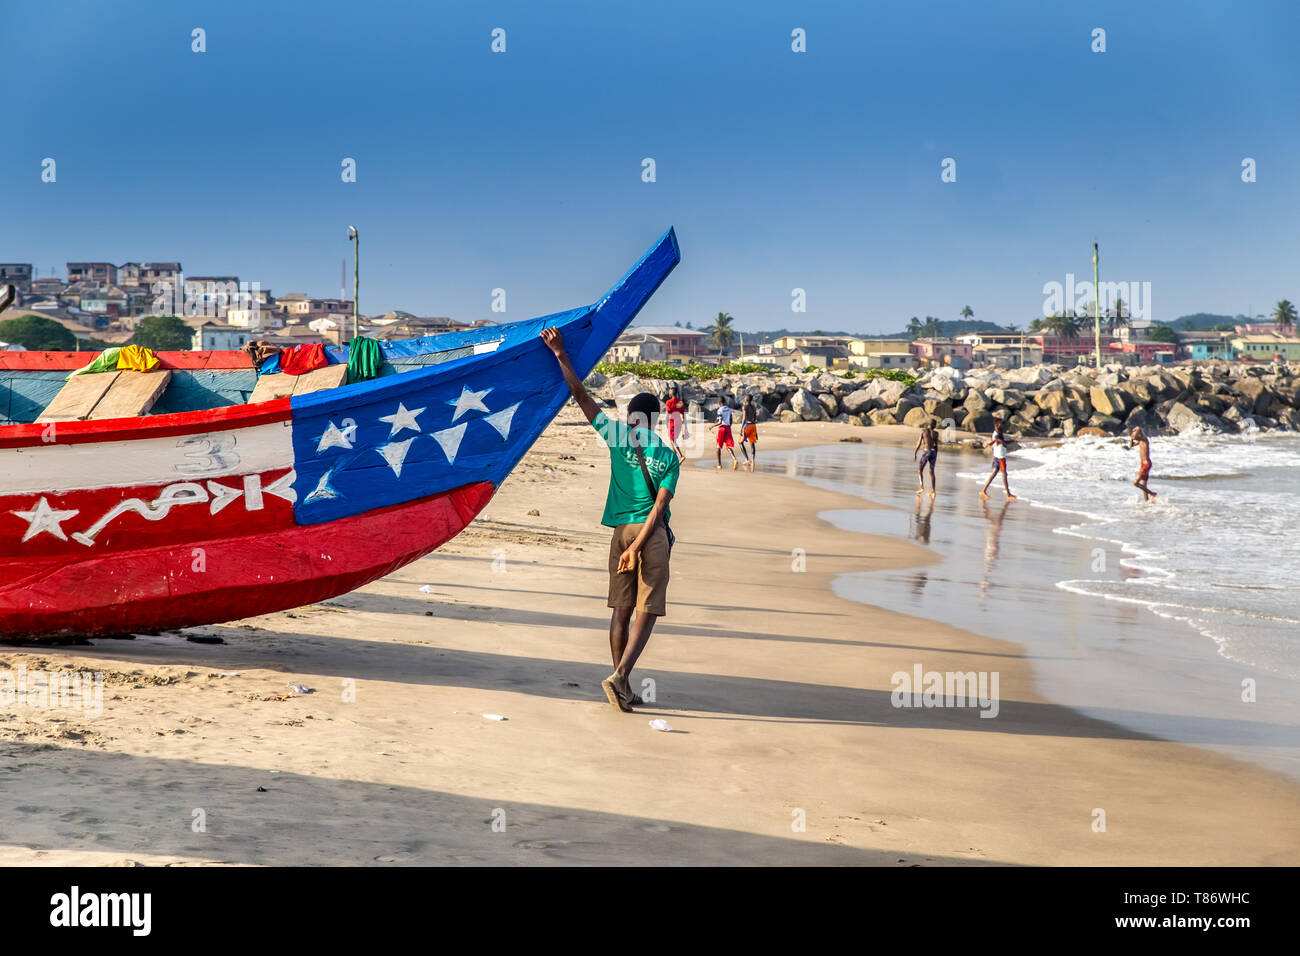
<point x="786" y="748"/>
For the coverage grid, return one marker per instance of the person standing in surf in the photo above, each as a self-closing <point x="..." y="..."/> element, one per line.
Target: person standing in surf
<point x="999" y="445"/>
<point x="1138" y="438"/>
<point x="930" y="439"/>
<point x="643" y="474"/>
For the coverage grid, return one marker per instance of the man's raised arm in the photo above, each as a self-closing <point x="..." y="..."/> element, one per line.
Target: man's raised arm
<point x="555" y="342"/>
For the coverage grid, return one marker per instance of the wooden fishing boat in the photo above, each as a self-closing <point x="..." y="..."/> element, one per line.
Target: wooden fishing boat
<point x="193" y="515"/>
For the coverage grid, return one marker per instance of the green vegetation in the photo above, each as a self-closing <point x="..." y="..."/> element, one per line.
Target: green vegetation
<point x="163" y="333"/>
<point x="37" y="333"/>
<point x="679" y="373"/>
<point x="1163" y="333"/>
<point x="702" y="373"/>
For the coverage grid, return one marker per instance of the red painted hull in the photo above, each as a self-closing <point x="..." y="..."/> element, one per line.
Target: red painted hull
<point x="228" y="577"/>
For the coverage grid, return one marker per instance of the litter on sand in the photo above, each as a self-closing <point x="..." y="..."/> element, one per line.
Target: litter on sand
<point x="660" y="724"/>
<point x="426" y="588"/>
<point x="301" y="689"/>
<point x="494" y="717"/>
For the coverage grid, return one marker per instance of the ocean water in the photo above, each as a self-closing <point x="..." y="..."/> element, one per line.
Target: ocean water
<point x="1218" y="549"/>
<point x="1178" y="619"/>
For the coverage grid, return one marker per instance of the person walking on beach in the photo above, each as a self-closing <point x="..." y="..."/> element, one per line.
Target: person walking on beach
<point x="643" y="474"/>
<point x="999" y="444"/>
<point x="749" y="432"/>
<point x="676" y="411"/>
<point x="930" y="439"/>
<point x="723" y="425"/>
<point x="1139" y="439"/>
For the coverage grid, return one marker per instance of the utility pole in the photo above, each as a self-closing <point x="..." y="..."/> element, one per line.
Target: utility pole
<point x="356" y="280"/>
<point x="1096" y="304"/>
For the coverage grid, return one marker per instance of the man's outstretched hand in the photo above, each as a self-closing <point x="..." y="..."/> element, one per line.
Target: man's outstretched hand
<point x="554" y="341"/>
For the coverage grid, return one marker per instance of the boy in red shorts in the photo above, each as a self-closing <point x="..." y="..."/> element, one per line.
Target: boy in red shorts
<point x="723" y="425"/>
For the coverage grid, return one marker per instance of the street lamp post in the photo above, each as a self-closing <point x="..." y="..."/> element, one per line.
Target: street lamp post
<point x="356" y="280"/>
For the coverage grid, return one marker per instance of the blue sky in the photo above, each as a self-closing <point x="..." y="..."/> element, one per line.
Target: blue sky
<point x="522" y="170"/>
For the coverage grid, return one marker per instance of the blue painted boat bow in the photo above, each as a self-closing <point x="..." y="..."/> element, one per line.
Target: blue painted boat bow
<point x="405" y="437"/>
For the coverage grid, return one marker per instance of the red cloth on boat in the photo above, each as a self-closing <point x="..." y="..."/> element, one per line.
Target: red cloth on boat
<point x="301" y="359"/>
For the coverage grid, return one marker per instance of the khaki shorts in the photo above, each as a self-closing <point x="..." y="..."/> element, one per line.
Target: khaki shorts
<point x="646" y="588"/>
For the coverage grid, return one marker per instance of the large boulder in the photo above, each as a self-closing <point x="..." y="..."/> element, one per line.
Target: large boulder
<point x="940" y="409"/>
<point x="830" y="403"/>
<point x="1143" y="419"/>
<point x="886" y="391"/>
<point x="806" y="406"/>
<point x="882" y="416"/>
<point x="788" y="416"/>
<point x="859" y="401"/>
<point x="1107" y="423"/>
<point x="977" y="422"/>
<point x="1034" y="376"/>
<point x="916" y="417"/>
<point x="1056" y="404"/>
<point x="976" y="402"/>
<point x="1183" y="418"/>
<point x="1257" y="394"/>
<point x="1109" y="401"/>
<point x="1010" y="397"/>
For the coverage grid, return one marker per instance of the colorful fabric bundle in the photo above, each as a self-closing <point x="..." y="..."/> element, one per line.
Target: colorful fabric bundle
<point x="105" y="361"/>
<point x="136" y="358"/>
<point x="365" y="359"/>
<point x="301" y="359"/>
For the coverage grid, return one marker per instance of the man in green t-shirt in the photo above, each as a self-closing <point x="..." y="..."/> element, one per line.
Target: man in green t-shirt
<point x="637" y="510"/>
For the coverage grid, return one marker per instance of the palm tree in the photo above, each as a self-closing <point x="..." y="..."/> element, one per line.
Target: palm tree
<point x="721" y="334"/>
<point x="1284" y="315"/>
<point x="967" y="312"/>
<point x="932" y="328"/>
<point x="1013" y="328"/>
<point x="1035" y="325"/>
<point x="914" y="327"/>
<point x="1062" y="326"/>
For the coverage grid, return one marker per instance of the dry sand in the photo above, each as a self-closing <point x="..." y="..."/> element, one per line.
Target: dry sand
<point x="778" y="694"/>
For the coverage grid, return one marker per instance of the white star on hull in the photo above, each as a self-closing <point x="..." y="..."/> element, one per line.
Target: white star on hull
<point x="402" y="418"/>
<point x="44" y="519"/>
<point x="469" y="401"/>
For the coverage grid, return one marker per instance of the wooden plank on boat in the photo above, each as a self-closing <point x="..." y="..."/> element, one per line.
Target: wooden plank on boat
<point x="331" y="376"/>
<point x="132" y="395"/>
<point x="268" y="387"/>
<point x="78" y="398"/>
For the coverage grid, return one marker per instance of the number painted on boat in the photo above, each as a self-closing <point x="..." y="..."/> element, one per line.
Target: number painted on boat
<point x="217" y="454"/>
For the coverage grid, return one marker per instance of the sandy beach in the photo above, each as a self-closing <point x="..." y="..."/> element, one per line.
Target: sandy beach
<point x="785" y="746"/>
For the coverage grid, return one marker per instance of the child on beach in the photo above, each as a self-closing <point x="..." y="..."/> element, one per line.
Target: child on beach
<point x="999" y="444"/>
<point x="930" y="439"/>
<point x="723" y="425"/>
<point x="643" y="474"/>
<point x="749" y="432"/>
<point x="676" y="410"/>
<point x="1138" y="438"/>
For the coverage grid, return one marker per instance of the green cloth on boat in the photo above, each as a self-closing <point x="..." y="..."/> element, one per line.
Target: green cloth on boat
<point x="365" y="359"/>
<point x="105" y="361"/>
